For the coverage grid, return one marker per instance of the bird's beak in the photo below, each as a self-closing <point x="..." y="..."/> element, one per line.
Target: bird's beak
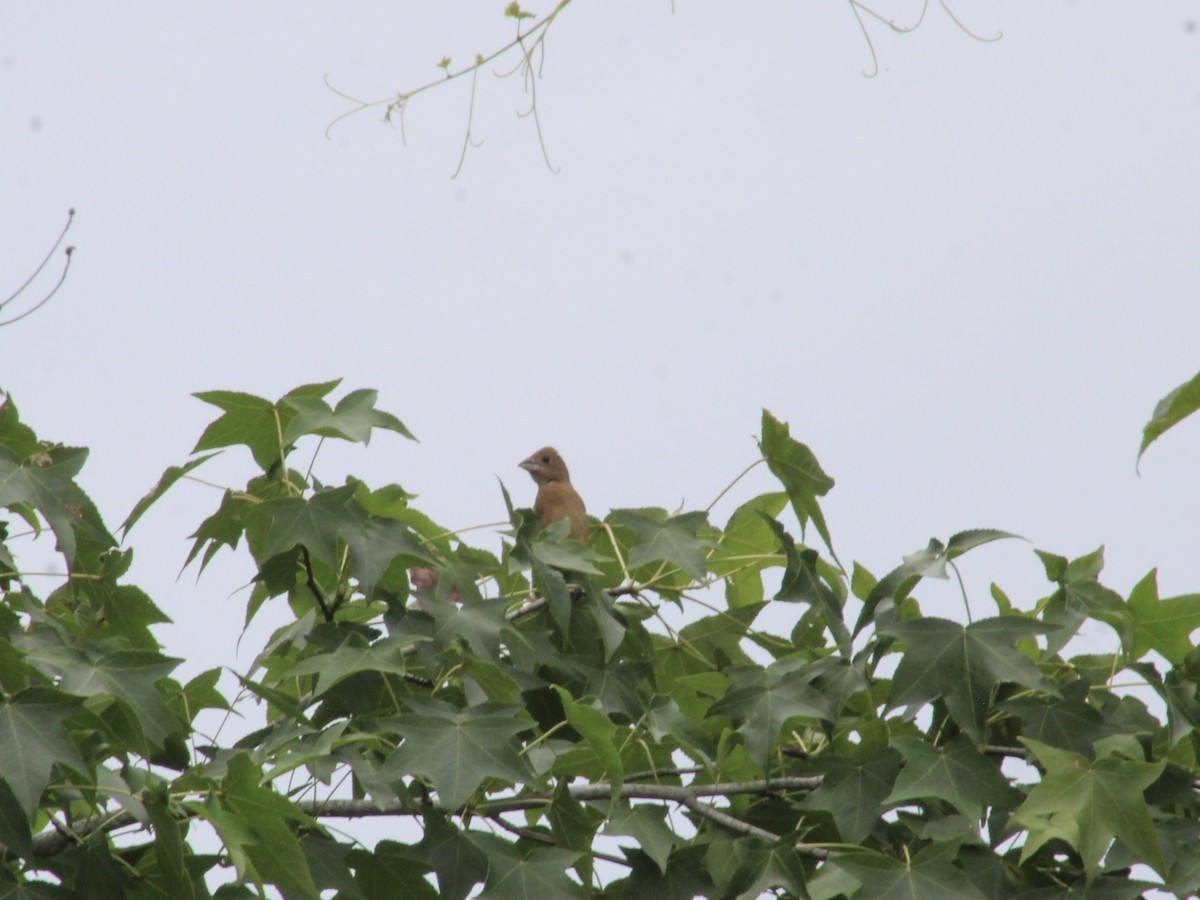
<point x="529" y="465"/>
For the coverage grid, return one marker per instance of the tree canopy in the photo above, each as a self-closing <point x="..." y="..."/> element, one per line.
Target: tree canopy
<point x="536" y="726"/>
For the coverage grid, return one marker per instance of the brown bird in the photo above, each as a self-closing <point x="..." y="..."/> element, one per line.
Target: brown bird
<point x="556" y="498"/>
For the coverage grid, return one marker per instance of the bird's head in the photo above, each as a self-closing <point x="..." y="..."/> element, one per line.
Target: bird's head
<point x="545" y="466"/>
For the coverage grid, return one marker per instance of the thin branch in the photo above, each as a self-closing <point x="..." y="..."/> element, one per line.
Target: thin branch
<point x="312" y="584"/>
<point x="42" y="265"/>
<point x="54" y="290"/>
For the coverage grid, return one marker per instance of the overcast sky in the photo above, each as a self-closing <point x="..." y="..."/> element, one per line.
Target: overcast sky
<point x="964" y="282"/>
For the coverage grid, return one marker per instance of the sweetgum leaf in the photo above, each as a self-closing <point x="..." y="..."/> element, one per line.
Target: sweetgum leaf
<point x="33" y="739"/>
<point x="798" y="470"/>
<point x="668" y="538"/>
<point x="458" y="749"/>
<point x="963" y="665"/>
<point x="1088" y="803"/>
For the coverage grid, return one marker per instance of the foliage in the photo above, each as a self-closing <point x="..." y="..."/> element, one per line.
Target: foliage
<point x="535" y="726"/>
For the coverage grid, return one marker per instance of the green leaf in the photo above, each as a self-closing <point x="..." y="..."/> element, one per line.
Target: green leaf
<point x="46" y="483"/>
<point x="929" y="562"/>
<point x="130" y="676"/>
<point x="223" y="528"/>
<point x="391" y="872"/>
<point x="685" y="878"/>
<point x="1067" y="722"/>
<point x="1088" y="803"/>
<point x="802" y="582"/>
<point x="537" y="875"/>
<point x="353" y="419"/>
<point x="255" y="422"/>
<point x="458" y="862"/>
<point x="659" y="537"/>
<point x="1170" y="411"/>
<point x="747" y="546"/>
<point x="330" y="516"/>
<point x="761" y="700"/>
<point x="644" y="823"/>
<point x="854" y="792"/>
<point x="955" y="772"/>
<point x="168" y="478"/>
<point x="598" y="732"/>
<point x="33" y="739"/>
<point x="327" y="863"/>
<point x="14" y="434"/>
<point x="248" y="420"/>
<point x="15" y="836"/>
<point x="886" y="878"/>
<point x="253" y="824"/>
<point x="168" y="846"/>
<point x="962" y="665"/>
<point x="960" y="543"/>
<point x="798" y="470"/>
<point x="352" y="656"/>
<point x="1164" y="626"/>
<point x="458" y="749"/>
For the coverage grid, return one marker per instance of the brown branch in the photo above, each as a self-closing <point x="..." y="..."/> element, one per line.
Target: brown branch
<point x="54" y="841"/>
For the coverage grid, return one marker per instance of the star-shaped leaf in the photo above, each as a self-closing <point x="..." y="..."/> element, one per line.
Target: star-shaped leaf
<point x="760" y="700"/>
<point x="131" y="676"/>
<point x="352" y="419"/>
<point x="886" y="878"/>
<point x="1164" y="626"/>
<point x="668" y="538"/>
<point x="535" y="875"/>
<point x="458" y="862"/>
<point x="46" y="483"/>
<point x="963" y="665"/>
<point x="318" y="523"/>
<point x="1089" y="803"/>
<point x="458" y="749"/>
<point x="254" y="422"/>
<point x="854" y="792"/>
<point x="955" y="772"/>
<point x="33" y="738"/>
<point x="1068" y="723"/>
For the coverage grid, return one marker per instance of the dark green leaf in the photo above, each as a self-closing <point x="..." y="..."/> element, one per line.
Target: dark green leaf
<point x="853" y="792"/>
<point x="644" y="823"/>
<point x="33" y="739"/>
<point x="955" y="772"/>
<point x="802" y="582"/>
<point x="46" y="483"/>
<point x="886" y="878"/>
<point x="458" y="749"/>
<point x="760" y="701"/>
<point x="664" y="538"/>
<point x="798" y="470"/>
<point x="963" y="665"/>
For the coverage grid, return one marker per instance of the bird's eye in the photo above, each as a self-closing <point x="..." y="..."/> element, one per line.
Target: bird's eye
<point x="545" y="460"/>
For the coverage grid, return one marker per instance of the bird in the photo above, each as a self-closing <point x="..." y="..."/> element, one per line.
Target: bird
<point x="556" y="498"/>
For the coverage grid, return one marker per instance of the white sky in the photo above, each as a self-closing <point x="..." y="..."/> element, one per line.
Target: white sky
<point x="965" y="282"/>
